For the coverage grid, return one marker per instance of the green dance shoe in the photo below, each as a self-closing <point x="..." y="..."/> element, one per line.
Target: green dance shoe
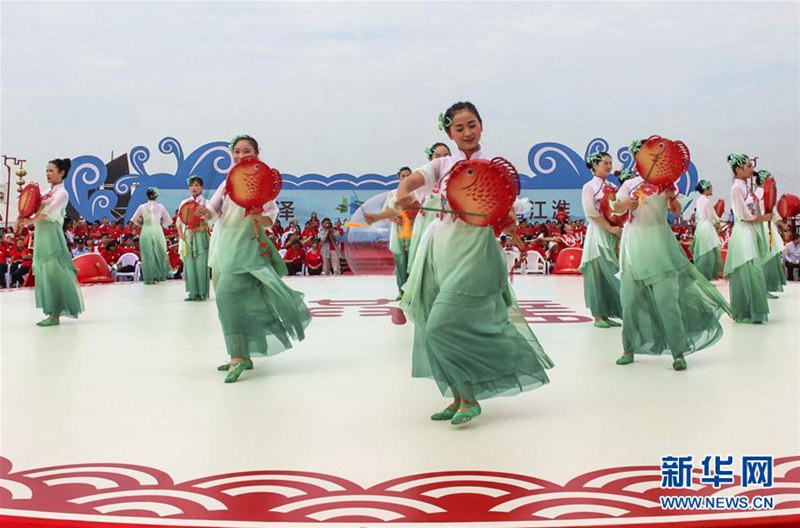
<point x="462" y="417"/>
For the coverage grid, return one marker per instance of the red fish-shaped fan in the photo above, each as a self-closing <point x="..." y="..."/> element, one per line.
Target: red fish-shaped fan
<point x="719" y="207"/>
<point x="661" y="161"/>
<point x="252" y="183"/>
<point x="188" y="214"/>
<point x="770" y="195"/>
<point x="610" y="195"/>
<point x="788" y="206"/>
<point x="486" y="189"/>
<point x="30" y="200"/>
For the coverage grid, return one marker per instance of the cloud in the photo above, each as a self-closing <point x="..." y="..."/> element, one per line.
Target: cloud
<point x="356" y="87"/>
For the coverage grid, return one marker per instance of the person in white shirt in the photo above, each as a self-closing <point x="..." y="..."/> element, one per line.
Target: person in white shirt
<point x="152" y="216"/>
<point x="194" y="247"/>
<point x="792" y="257"/>
<point x="744" y="262"/>
<point x="599" y="262"/>
<point x="706" y="245"/>
<point x="398" y="242"/>
<point x="57" y="291"/>
<point x="470" y="336"/>
<point x="772" y="244"/>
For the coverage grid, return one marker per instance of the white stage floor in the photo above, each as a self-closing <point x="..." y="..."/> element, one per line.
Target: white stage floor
<point x="129" y="400"/>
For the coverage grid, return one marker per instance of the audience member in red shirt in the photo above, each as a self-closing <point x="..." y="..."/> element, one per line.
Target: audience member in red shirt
<point x="295" y="257"/>
<point x="175" y="260"/>
<point x="21" y="259"/>
<point x="127" y="246"/>
<point x="110" y="252"/>
<point x="314" y="258"/>
<point x="309" y="233"/>
<point x="314" y="220"/>
<point x="4" y="259"/>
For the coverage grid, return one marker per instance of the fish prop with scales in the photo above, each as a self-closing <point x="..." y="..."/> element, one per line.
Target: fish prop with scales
<point x="30" y="200"/>
<point x="610" y="196"/>
<point x="719" y="207"/>
<point x="188" y="214"/>
<point x="662" y="161"/>
<point x="252" y="183"/>
<point x="483" y="191"/>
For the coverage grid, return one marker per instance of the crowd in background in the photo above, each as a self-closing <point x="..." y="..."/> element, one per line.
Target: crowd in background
<point x="318" y="247"/>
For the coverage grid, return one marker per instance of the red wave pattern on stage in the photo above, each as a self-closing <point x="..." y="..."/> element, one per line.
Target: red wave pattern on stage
<point x="89" y="494"/>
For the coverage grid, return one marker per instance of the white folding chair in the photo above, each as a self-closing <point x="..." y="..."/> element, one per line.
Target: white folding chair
<point x="535" y="263"/>
<point x="511" y="259"/>
<point x="128" y="259"/>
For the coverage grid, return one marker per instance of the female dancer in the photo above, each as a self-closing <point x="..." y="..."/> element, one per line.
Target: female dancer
<point x="433" y="201"/>
<point x="744" y="263"/>
<point x="470" y="336"/>
<point x="57" y="291"/>
<point x="257" y="311"/>
<point x="774" y="274"/>
<point x="399" y="246"/>
<point x="599" y="263"/>
<point x="667" y="305"/>
<point x="153" y="216"/>
<point x="706" y="244"/>
<point x="194" y="248"/>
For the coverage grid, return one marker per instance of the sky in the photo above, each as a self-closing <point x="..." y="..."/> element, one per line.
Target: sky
<point x="357" y="87"/>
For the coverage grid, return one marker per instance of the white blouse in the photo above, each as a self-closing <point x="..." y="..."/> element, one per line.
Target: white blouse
<point x="156" y="210"/>
<point x="591" y="194"/>
<point x="220" y="205"/>
<point x="54" y="203"/>
<point x="704" y="210"/>
<point x="743" y="202"/>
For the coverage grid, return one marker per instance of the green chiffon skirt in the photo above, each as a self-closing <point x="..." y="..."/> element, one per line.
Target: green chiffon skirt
<point x="469" y="332"/>
<point x="195" y="264"/>
<point x="56" y="278"/>
<point x="749" y="294"/>
<point x="400" y="268"/>
<point x="600" y="283"/>
<point x="708" y="263"/>
<point x="774" y="274"/>
<point x="153" y="248"/>
<point x="259" y="313"/>
<point x="675" y="312"/>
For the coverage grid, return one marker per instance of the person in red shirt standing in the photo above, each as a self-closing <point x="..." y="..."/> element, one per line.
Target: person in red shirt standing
<point x="295" y="257"/>
<point x="314" y="258"/>
<point x="561" y="215"/>
<point x="309" y="233"/>
<point x="314" y="220"/>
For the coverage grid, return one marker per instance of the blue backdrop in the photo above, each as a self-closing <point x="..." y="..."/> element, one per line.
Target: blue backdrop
<point x="556" y="174"/>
